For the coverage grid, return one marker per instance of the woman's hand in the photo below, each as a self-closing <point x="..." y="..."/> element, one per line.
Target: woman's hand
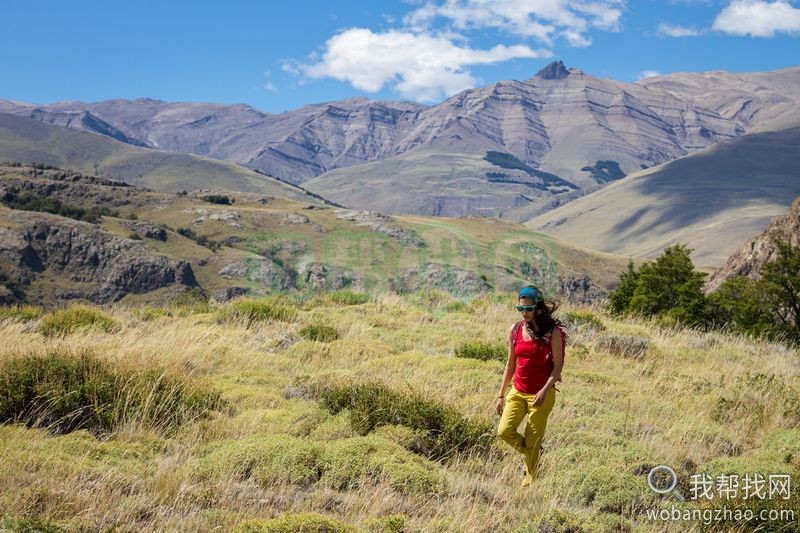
<point x="498" y="406"/>
<point x="540" y="396"/>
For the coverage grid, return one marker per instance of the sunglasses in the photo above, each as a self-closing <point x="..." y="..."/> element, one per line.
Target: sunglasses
<point x="526" y="308"/>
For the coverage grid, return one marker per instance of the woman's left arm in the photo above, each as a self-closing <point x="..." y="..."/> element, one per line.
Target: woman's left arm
<point x="558" y="356"/>
<point x="557" y="348"/>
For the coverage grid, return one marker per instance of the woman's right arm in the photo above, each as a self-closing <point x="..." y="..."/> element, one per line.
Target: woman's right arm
<point x="511" y="366"/>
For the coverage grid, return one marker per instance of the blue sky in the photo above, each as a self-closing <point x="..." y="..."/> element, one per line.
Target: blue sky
<point x="279" y="55"/>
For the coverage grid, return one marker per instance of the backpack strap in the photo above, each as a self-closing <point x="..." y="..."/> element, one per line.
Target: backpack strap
<point x="514" y="332"/>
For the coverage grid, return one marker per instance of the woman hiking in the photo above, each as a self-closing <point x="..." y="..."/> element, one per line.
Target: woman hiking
<point x="535" y="360"/>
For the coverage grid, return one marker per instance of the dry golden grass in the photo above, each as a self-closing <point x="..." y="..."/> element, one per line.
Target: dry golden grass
<point x="614" y="417"/>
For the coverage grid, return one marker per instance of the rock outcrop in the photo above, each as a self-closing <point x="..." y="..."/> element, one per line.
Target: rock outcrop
<point x="81" y="261"/>
<point x="761" y="249"/>
<point x="381" y="223"/>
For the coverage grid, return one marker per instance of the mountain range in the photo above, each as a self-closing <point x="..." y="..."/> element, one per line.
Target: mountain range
<point x="512" y="149"/>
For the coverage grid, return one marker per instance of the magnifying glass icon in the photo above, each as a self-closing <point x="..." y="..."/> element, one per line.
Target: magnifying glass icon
<point x="651" y="481"/>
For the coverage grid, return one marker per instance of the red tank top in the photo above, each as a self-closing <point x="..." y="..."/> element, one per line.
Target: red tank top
<point x="534" y="362"/>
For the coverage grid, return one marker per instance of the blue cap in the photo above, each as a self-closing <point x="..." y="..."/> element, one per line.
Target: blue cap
<point x="530" y="292"/>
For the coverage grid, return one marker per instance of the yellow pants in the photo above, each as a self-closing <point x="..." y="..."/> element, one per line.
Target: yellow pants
<point x="517" y="405"/>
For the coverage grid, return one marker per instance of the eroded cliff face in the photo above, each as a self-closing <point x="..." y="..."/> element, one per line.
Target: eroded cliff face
<point x="78" y="260"/>
<point x="761" y="249"/>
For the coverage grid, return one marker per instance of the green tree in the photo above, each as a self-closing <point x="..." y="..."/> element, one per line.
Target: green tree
<point x="780" y="286"/>
<point x="620" y="298"/>
<point x="671" y="287"/>
<point x="739" y="305"/>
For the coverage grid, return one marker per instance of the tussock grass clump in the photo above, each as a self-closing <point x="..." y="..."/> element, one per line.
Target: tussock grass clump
<point x="147" y="313"/>
<point x="626" y="346"/>
<point x="483" y="350"/>
<point x="434" y="298"/>
<point x="394" y="523"/>
<point x="757" y="398"/>
<point x="29" y="525"/>
<point x="583" y="318"/>
<point x="297" y="523"/>
<point x="556" y="521"/>
<point x="191" y="302"/>
<point x="457" y="306"/>
<point x="65" y="392"/>
<point x="431" y="297"/>
<point x="319" y="333"/>
<point x="74" y="318"/>
<point x="494" y="298"/>
<point x="20" y="312"/>
<point x="777" y="455"/>
<point x="340" y="464"/>
<point x="375" y="404"/>
<point x="346" y="297"/>
<point x="249" y="311"/>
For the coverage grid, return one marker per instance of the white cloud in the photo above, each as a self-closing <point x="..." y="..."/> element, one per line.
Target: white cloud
<point x="270" y="87"/>
<point x="670" y="30"/>
<point x="647" y="74"/>
<point x="543" y="20"/>
<point x="421" y="66"/>
<point x="758" y="18"/>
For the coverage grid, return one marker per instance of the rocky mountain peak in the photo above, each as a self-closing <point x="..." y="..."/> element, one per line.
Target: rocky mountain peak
<point x="554" y="71"/>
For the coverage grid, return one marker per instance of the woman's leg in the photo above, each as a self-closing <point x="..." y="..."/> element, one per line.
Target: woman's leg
<point x="513" y="412"/>
<point x="534" y="432"/>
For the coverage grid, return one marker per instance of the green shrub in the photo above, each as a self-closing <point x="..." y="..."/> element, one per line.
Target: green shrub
<point x="583" y="318"/>
<point x="67" y="392"/>
<point x="346" y="297"/>
<point x="218" y="199"/>
<point x="374" y="404"/>
<point x="296" y="523"/>
<point x="202" y="240"/>
<point x="74" y="318"/>
<point x="485" y="351"/>
<point x="28" y="201"/>
<point x="252" y="310"/>
<point x="20" y="312"/>
<point x="627" y="346"/>
<point x="319" y="332"/>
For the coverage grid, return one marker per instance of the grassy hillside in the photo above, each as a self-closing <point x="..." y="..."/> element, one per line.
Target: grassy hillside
<point x="24" y="140"/>
<point x="352" y="412"/>
<point x="442" y="181"/>
<point x="713" y="200"/>
<point x="266" y="244"/>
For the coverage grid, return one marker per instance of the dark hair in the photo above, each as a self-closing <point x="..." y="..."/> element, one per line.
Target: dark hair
<point x="543" y="320"/>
